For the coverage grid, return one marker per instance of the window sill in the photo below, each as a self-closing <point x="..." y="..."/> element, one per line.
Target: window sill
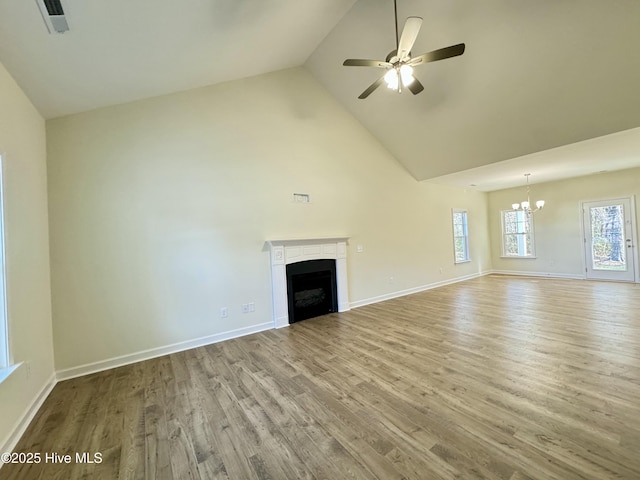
<point x="462" y="261"/>
<point x="6" y="372"/>
<point x="520" y="258"/>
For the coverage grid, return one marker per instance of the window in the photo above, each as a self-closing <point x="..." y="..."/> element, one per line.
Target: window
<point x="4" y="341"/>
<point x="517" y="233"/>
<point x="460" y="236"/>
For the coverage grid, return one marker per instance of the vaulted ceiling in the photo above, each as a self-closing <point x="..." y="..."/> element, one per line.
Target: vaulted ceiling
<point x="117" y="51"/>
<point x="535" y="76"/>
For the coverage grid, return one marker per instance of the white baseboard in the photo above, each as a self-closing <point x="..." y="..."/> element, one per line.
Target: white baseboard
<point x="23" y="422"/>
<point x="102" y="365"/>
<point x="158" y="352"/>
<point x="422" y="288"/>
<point x="18" y="430"/>
<point x="538" y="274"/>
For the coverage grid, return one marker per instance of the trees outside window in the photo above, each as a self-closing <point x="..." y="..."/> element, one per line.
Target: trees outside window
<point x="517" y="233"/>
<point x="607" y="234"/>
<point x="460" y="236"/>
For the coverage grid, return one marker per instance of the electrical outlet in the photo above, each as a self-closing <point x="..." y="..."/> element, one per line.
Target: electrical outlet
<point x="224" y="312"/>
<point x="248" y="307"/>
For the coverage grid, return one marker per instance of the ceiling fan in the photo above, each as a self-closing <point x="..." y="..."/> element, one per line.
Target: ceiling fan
<point x="399" y="63"/>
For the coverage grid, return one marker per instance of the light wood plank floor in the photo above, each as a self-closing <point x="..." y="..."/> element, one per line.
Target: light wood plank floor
<point x="497" y="378"/>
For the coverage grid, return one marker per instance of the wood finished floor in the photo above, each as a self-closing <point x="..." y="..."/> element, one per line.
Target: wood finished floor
<point x="497" y="378"/>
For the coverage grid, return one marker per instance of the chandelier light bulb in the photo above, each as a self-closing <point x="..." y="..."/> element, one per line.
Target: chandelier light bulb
<point x="525" y="205"/>
<point x="515" y="206"/>
<point x="540" y="204"/>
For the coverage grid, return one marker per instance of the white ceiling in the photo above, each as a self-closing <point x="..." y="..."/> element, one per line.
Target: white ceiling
<point x="617" y="151"/>
<point x="117" y="51"/>
<point x="536" y="75"/>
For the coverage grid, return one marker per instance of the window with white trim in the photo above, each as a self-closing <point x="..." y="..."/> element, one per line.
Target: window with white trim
<point x="4" y="340"/>
<point x="460" y="236"/>
<point x="517" y="234"/>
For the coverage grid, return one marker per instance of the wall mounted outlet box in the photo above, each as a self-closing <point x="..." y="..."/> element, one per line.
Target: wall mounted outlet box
<point x="301" y="198"/>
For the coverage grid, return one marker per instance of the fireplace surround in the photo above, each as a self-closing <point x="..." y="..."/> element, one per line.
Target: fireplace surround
<point x="290" y="251"/>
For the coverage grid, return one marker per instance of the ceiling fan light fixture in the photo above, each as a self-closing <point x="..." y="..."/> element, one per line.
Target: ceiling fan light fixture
<point x="406" y="74"/>
<point x="399" y="63"/>
<point x="391" y="77"/>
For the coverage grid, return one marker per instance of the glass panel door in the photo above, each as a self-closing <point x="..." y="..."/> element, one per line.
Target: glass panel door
<point x="608" y="240"/>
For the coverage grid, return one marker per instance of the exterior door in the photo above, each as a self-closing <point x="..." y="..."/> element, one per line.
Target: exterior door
<point x="608" y="238"/>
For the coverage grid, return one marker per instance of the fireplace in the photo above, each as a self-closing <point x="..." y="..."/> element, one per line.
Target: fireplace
<point x="290" y="254"/>
<point x="311" y="289"/>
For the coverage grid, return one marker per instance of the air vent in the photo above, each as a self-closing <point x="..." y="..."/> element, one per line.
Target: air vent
<point x="53" y="15"/>
<point x="53" y="7"/>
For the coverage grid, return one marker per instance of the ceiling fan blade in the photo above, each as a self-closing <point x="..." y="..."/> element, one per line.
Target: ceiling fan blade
<point x="408" y="37"/>
<point x="415" y="86"/>
<point x="441" y="54"/>
<point x="356" y="62"/>
<point x="371" y="88"/>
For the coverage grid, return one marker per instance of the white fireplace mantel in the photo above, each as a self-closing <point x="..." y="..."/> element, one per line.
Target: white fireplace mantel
<point x="286" y="251"/>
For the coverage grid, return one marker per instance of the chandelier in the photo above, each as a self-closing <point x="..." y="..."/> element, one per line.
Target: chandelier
<point x="526" y="204"/>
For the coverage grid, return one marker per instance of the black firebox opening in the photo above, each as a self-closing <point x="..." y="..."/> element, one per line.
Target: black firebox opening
<point x="311" y="289"/>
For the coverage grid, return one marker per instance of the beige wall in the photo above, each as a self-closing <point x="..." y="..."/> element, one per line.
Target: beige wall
<point x="160" y="210"/>
<point x="22" y="146"/>
<point x="558" y="234"/>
